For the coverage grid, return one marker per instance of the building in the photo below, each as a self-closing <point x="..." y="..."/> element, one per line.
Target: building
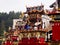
<point x="55" y="15"/>
<point x="56" y="9"/>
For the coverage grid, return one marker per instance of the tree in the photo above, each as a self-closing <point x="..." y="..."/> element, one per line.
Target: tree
<point x="6" y="20"/>
<point x="2" y="27"/>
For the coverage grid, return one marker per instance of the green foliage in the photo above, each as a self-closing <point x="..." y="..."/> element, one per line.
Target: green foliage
<point x="2" y="27"/>
<point x="6" y="20"/>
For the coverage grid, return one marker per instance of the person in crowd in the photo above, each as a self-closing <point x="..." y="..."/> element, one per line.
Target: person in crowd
<point x="27" y="26"/>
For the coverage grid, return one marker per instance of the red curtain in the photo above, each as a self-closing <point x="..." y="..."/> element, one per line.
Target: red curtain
<point x="32" y="41"/>
<point x="42" y="40"/>
<point x="14" y="38"/>
<point x="56" y="31"/>
<point x="8" y="43"/>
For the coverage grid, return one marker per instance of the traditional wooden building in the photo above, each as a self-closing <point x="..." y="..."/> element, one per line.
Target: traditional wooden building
<point x="55" y="13"/>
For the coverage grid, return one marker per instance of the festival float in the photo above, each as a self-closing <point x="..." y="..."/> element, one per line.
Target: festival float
<point x="36" y="26"/>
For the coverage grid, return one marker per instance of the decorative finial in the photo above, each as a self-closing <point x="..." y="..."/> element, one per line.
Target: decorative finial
<point x="42" y="4"/>
<point x="21" y="15"/>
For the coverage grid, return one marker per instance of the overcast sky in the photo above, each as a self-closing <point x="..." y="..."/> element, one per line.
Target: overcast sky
<point x="20" y="5"/>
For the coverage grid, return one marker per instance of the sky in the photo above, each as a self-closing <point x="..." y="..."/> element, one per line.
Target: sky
<point x="20" y="5"/>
